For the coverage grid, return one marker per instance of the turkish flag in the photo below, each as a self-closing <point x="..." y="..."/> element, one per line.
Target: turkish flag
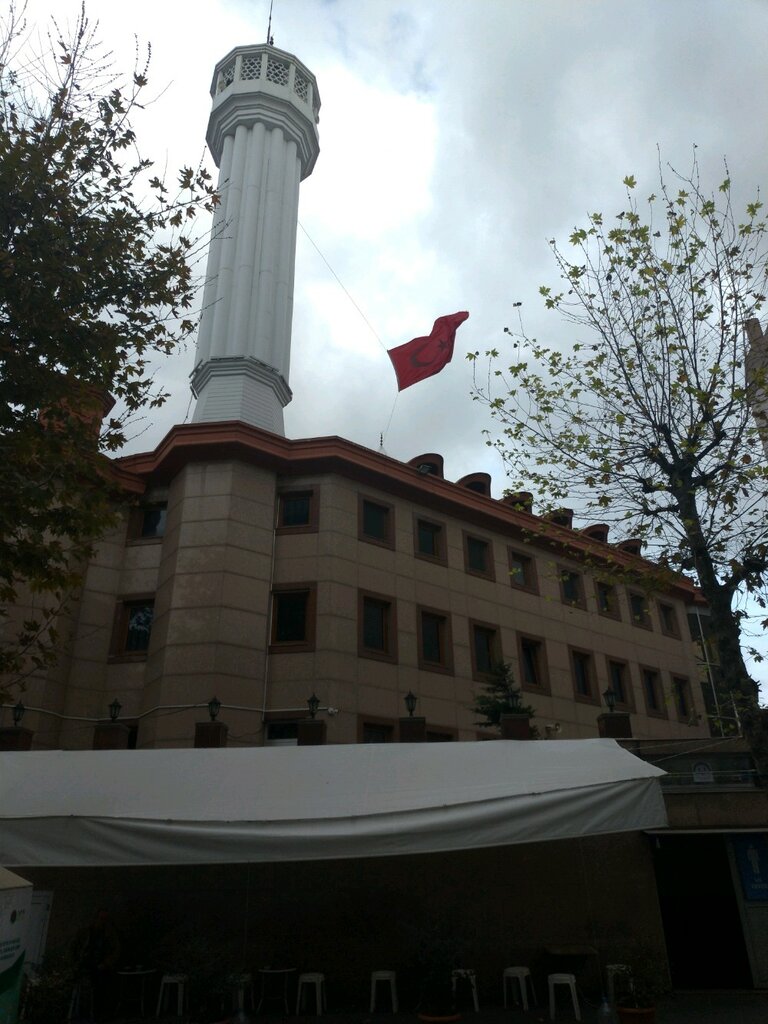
<point x="423" y="357"/>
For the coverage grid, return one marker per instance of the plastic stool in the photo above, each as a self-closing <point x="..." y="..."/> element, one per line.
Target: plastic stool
<point x="611" y="970"/>
<point x="318" y="980"/>
<point x="463" y="972"/>
<point x="166" y="985"/>
<point x="562" y="979"/>
<point x="391" y="977"/>
<point x="523" y="977"/>
<point x="241" y="985"/>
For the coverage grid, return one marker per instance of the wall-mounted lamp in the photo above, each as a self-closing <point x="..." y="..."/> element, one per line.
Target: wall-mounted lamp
<point x="609" y="696"/>
<point x="410" y="702"/>
<point x="313" y="703"/>
<point x="515" y="699"/>
<point x="214" y="707"/>
<point x="114" y="710"/>
<point x="18" y="713"/>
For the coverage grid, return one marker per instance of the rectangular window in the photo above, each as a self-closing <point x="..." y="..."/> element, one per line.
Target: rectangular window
<point x="430" y="540"/>
<point x="618" y="674"/>
<point x="377" y="627"/>
<point x="478" y="556"/>
<point x="282" y="734"/>
<point x="153" y="521"/>
<point x="668" y="618"/>
<point x="376" y="732"/>
<point x="434" y="638"/>
<point x="533" y="665"/>
<point x="132" y="629"/>
<point x="148" y="522"/>
<point x="571" y="588"/>
<point x="376" y="523"/>
<point x="638" y="606"/>
<point x="682" y="693"/>
<point x="297" y="512"/>
<point x="486" y="656"/>
<point x="654" y="698"/>
<point x="522" y="570"/>
<point x="607" y="599"/>
<point x="583" y="676"/>
<point x="293" y="618"/>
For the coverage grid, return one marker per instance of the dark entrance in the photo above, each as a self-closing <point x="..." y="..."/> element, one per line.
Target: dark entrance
<point x="705" y="940"/>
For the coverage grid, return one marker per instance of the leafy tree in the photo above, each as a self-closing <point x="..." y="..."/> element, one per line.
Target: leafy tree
<point x="500" y="697"/>
<point x="96" y="277"/>
<point x="645" y="421"/>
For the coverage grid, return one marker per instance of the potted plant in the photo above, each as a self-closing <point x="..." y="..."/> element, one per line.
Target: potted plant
<point x="501" y="703"/>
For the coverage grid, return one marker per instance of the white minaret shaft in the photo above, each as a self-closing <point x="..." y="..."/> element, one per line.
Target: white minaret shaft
<point x="263" y="136"/>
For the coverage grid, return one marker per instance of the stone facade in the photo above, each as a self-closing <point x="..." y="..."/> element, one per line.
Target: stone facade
<point x="275" y="569"/>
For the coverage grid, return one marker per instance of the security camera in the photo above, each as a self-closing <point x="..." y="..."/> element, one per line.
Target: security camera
<point x="332" y="711"/>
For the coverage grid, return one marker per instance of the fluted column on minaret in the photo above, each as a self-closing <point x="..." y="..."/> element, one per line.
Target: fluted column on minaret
<point x="263" y="136"/>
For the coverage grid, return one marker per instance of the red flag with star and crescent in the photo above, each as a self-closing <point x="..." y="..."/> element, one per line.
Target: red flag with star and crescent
<point x="422" y="357"/>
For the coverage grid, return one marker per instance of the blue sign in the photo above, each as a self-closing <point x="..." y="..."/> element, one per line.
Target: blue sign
<point x="752" y="860"/>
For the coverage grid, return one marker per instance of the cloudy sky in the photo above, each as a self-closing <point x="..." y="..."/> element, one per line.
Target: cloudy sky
<point x="457" y="136"/>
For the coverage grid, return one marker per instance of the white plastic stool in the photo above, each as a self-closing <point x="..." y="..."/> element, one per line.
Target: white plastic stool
<point x="391" y="977"/>
<point x="523" y="977"/>
<point x="611" y="970"/>
<point x="318" y="980"/>
<point x="166" y="985"/>
<point x="563" y="979"/>
<point x="241" y="985"/>
<point x="462" y="972"/>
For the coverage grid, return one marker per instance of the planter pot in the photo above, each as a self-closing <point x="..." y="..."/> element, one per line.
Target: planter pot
<point x="636" y="1015"/>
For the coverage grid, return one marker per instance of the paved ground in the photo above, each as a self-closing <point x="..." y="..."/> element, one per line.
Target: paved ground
<point x="709" y="1007"/>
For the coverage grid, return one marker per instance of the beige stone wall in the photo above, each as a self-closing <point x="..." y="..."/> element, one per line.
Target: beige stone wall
<point x="212" y="575"/>
<point x="342" y="565"/>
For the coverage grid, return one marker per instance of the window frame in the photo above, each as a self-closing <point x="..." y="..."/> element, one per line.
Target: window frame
<point x="495" y="649"/>
<point x="310" y="618"/>
<point x="388" y="541"/>
<point x="662" y="711"/>
<point x="688" y="695"/>
<point x="489" y="572"/>
<point x="608" y="613"/>
<point x="117" y="648"/>
<point x="135" y="534"/>
<point x="530" y="575"/>
<point x="629" y="703"/>
<point x="311" y="526"/>
<point x="541" y="663"/>
<point x="581" y="600"/>
<point x="446" y="665"/>
<point x="645" y="621"/>
<point x="674" y="631"/>
<point x="389" y="607"/>
<point x="441" y="557"/>
<point x="575" y="654"/>
<point x="378" y="722"/>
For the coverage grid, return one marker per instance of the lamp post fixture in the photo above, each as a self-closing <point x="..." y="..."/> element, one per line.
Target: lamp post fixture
<point x="609" y="696"/>
<point x="410" y="702"/>
<point x="18" y="713"/>
<point x="515" y="700"/>
<point x="214" y="707"/>
<point x="313" y="703"/>
<point x="114" y="710"/>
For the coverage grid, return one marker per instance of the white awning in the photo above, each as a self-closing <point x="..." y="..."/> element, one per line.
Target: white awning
<point x="68" y="808"/>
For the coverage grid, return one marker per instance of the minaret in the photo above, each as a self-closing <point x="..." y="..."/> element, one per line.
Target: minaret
<point x="263" y="136"/>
